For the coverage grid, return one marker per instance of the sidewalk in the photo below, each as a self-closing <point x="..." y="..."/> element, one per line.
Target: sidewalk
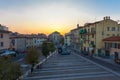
<point x="107" y="60"/>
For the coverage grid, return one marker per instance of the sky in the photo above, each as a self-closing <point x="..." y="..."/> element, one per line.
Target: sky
<point x="46" y="16"/>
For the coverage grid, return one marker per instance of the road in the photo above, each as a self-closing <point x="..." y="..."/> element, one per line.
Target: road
<point x="72" y="67"/>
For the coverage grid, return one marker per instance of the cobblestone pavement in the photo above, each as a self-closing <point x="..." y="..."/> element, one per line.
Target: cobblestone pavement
<point x="72" y="67"/>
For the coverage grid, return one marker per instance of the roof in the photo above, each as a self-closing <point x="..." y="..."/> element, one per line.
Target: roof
<point x="113" y="38"/>
<point x="87" y="24"/>
<point x="77" y="28"/>
<point x="3" y="31"/>
<point x="23" y="36"/>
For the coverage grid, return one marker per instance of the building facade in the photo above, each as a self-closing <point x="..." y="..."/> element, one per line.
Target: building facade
<point x="55" y="37"/>
<point x="4" y="39"/>
<point x="67" y="39"/>
<point x="111" y="47"/>
<point x="75" y="37"/>
<point x="93" y="33"/>
<point x="18" y="43"/>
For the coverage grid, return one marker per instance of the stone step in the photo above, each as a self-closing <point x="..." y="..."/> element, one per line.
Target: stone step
<point x="63" y="76"/>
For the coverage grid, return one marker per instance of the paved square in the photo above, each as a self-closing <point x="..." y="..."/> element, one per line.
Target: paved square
<point x="71" y="67"/>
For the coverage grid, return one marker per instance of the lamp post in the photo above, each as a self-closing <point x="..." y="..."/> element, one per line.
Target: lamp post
<point x="81" y="42"/>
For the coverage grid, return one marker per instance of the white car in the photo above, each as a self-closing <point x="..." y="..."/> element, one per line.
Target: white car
<point x="8" y="52"/>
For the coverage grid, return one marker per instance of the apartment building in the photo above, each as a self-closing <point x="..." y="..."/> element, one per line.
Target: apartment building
<point x="3" y="28"/>
<point x="18" y="43"/>
<point x="4" y="37"/>
<point x="34" y="40"/>
<point x="111" y="46"/>
<point x="67" y="39"/>
<point x="55" y="37"/>
<point x="75" y="37"/>
<point x="93" y="33"/>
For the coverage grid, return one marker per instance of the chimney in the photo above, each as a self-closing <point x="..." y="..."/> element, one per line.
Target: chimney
<point x="109" y="17"/>
<point x="104" y="18"/>
<point x="77" y="25"/>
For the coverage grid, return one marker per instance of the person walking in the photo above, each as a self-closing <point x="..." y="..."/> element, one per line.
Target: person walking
<point x="31" y="69"/>
<point x="91" y="51"/>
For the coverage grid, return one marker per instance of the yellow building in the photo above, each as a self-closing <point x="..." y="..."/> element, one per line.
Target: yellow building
<point x="93" y="33"/>
<point x="4" y="39"/>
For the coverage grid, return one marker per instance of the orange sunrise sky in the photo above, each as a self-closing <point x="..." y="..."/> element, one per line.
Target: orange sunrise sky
<point x="46" y="16"/>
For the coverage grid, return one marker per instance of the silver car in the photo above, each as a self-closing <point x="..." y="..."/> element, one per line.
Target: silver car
<point x="8" y="52"/>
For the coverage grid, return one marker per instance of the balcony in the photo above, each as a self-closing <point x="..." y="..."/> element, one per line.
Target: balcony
<point x="83" y="31"/>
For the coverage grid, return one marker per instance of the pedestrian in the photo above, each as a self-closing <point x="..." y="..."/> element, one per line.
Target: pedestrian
<point x="91" y="51"/>
<point x="31" y="69"/>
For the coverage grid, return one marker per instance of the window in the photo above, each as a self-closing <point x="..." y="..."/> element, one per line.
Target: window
<point x="35" y="41"/>
<point x="102" y="33"/>
<point x="92" y="35"/>
<point x="1" y="44"/>
<point x="108" y="28"/>
<point x="113" y="34"/>
<point x="13" y="42"/>
<point x="118" y="45"/>
<point x="114" y="45"/>
<point x="118" y="28"/>
<point x="92" y="43"/>
<point x="106" y="45"/>
<point x="92" y="30"/>
<point x="108" y="34"/>
<point x="113" y="28"/>
<point x="117" y="34"/>
<point x="1" y="35"/>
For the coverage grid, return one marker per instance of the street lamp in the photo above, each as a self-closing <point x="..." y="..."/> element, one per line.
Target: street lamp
<point x="81" y="42"/>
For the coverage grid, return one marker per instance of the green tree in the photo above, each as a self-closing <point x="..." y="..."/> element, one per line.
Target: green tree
<point x="51" y="47"/>
<point x="9" y="70"/>
<point x="62" y="41"/>
<point x="32" y="56"/>
<point x="47" y="47"/>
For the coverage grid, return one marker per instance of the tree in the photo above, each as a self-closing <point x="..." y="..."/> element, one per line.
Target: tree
<point x="62" y="40"/>
<point x="32" y="57"/>
<point x="51" y="47"/>
<point x="9" y="70"/>
<point x="47" y="47"/>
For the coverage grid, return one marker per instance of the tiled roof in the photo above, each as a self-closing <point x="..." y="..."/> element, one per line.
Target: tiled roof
<point x="113" y="38"/>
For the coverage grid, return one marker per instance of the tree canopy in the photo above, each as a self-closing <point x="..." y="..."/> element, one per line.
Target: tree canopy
<point x="47" y="47"/>
<point x="32" y="56"/>
<point x="9" y="70"/>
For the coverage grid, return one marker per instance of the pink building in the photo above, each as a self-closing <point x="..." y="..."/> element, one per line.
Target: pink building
<point x="112" y="44"/>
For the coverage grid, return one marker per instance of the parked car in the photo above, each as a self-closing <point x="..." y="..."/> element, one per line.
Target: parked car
<point x="117" y="57"/>
<point x="59" y="50"/>
<point x="65" y="51"/>
<point x="8" y="52"/>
